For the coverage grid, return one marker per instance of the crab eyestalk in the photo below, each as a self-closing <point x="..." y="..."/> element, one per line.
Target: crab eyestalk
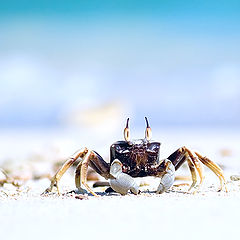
<point x="148" y="132"/>
<point x="127" y="132"/>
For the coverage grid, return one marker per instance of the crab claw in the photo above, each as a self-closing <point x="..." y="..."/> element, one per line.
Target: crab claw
<point x="121" y="182"/>
<point x="168" y="178"/>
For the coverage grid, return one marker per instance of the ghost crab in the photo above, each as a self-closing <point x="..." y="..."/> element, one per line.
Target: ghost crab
<point x="135" y="158"/>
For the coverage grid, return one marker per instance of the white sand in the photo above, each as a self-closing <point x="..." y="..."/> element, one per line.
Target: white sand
<point x="207" y="214"/>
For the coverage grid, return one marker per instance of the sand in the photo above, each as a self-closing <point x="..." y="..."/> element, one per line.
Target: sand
<point x="177" y="214"/>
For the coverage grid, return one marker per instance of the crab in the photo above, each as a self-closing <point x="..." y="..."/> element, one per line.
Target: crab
<point x="135" y="158"/>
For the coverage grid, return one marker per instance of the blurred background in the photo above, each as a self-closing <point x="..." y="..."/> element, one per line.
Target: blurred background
<point x="88" y="65"/>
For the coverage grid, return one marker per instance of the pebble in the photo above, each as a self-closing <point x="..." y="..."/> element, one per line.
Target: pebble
<point x="235" y="177"/>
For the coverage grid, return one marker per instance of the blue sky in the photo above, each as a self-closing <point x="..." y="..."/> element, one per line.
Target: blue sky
<point x="175" y="61"/>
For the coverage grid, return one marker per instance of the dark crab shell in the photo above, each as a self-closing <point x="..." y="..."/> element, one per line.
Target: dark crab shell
<point x="139" y="157"/>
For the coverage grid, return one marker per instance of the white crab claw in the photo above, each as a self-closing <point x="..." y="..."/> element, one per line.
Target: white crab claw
<point x="168" y="178"/>
<point x="122" y="182"/>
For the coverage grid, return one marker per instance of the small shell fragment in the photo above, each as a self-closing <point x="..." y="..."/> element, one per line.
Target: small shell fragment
<point x="235" y="177"/>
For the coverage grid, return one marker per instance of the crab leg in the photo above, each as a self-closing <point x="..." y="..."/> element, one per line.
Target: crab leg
<point x="95" y="161"/>
<point x="198" y="166"/>
<point x="215" y="168"/>
<point x="83" y="174"/>
<point x="182" y="154"/>
<point x="98" y="164"/>
<point x="193" y="173"/>
<point x="69" y="162"/>
<point x="179" y="157"/>
<point x="78" y="178"/>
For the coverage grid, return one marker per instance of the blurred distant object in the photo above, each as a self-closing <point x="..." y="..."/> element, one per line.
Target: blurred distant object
<point x="104" y="118"/>
<point x="225" y="152"/>
<point x="5" y="178"/>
